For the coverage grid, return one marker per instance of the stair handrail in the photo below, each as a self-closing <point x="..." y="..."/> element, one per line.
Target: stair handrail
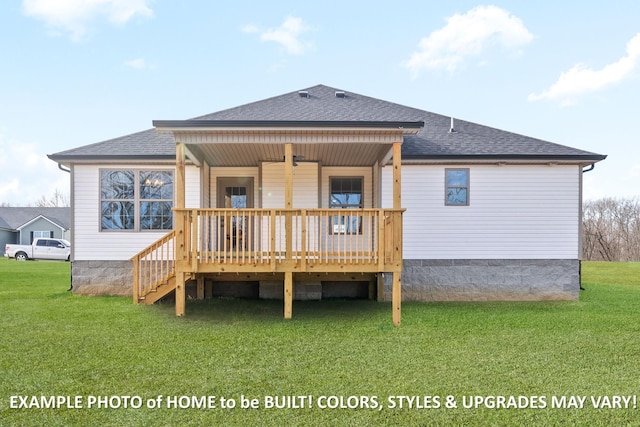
<point x="159" y="258"/>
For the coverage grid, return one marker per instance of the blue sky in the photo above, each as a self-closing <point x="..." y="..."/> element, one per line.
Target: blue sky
<point x="75" y="72"/>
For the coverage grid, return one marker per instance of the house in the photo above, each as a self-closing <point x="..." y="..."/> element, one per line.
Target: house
<point x="20" y="225"/>
<point x="322" y="192"/>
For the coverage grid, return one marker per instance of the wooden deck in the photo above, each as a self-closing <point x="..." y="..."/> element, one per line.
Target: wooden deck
<point x="283" y="241"/>
<point x="258" y="241"/>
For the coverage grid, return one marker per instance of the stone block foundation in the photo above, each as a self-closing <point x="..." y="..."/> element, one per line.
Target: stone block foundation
<point x="422" y="280"/>
<point x="102" y="277"/>
<point x="488" y="280"/>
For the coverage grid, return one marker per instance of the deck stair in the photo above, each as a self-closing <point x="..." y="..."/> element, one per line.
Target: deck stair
<point x="154" y="275"/>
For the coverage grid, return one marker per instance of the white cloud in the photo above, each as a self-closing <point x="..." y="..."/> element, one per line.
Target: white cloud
<point x="581" y="80"/>
<point x="288" y="35"/>
<point x="75" y="16"/>
<point x="30" y="174"/>
<point x="467" y="35"/>
<point x="137" y="64"/>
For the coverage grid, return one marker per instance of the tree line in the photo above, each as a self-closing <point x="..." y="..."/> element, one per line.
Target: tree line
<point x="611" y="229"/>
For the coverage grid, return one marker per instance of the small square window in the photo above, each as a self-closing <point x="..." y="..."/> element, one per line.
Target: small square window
<point x="456" y="187"/>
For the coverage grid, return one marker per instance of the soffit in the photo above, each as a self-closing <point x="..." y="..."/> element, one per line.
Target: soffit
<point x="327" y="154"/>
<point x="331" y="147"/>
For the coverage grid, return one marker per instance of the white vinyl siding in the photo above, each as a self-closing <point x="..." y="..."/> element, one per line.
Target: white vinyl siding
<point x="516" y="212"/>
<point x="192" y="191"/>
<point x="89" y="243"/>
<point x="305" y="185"/>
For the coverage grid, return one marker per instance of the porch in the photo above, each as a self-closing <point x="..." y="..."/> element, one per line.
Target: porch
<point x="269" y="244"/>
<point x="278" y="239"/>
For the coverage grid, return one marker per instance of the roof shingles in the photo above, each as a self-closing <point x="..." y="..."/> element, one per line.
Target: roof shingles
<point x="433" y="141"/>
<point x="15" y="217"/>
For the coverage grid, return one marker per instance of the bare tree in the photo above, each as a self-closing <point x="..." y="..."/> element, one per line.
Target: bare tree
<point x="611" y="230"/>
<point x="58" y="199"/>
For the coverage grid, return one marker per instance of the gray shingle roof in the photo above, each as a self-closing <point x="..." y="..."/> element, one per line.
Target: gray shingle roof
<point x="15" y="217"/>
<point x="434" y="141"/>
<point x="147" y="144"/>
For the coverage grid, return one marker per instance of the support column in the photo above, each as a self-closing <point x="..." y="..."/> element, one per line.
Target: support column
<point x="288" y="294"/>
<point x="181" y="294"/>
<point x="396" y="292"/>
<point x="397" y="175"/>
<point x="200" y="287"/>
<point x="180" y="175"/>
<point x="288" y="176"/>
<point x="288" y="198"/>
<point x="179" y="224"/>
<point x="380" y="287"/>
<point x="288" y="204"/>
<point x="396" y="297"/>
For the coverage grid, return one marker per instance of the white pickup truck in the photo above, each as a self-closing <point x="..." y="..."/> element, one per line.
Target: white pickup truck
<point x="41" y="248"/>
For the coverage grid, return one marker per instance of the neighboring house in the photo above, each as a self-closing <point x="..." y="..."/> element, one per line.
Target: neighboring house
<point x="322" y="187"/>
<point x="20" y="225"/>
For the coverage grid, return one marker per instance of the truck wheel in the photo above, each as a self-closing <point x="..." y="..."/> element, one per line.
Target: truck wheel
<point x="21" y="256"/>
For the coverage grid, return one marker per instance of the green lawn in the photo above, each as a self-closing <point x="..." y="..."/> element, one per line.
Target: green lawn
<point x="53" y="343"/>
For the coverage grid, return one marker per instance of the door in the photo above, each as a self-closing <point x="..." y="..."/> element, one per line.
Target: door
<point x="41" y="249"/>
<point x="57" y="250"/>
<point x="236" y="228"/>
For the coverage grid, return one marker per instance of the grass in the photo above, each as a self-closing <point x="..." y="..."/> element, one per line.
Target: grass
<point x="54" y="343"/>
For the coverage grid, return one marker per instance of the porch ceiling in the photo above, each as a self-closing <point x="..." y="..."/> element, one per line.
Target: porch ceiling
<point x="252" y="154"/>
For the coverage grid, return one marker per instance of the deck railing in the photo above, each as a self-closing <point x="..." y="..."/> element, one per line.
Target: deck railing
<point x="154" y="265"/>
<point x="273" y="240"/>
<point x="291" y="239"/>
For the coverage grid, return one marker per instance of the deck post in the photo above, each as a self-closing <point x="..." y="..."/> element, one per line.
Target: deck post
<point x="288" y="204"/>
<point x="396" y="292"/>
<point x="179" y="224"/>
<point x="136" y="280"/>
<point x="200" y="287"/>
<point x="288" y="176"/>
<point x="396" y="297"/>
<point x="380" y="287"/>
<point x="288" y="198"/>
<point x="288" y="294"/>
<point x="181" y="294"/>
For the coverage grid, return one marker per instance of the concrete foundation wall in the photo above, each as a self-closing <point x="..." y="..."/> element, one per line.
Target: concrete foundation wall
<point x="301" y="290"/>
<point x="488" y="280"/>
<point x="102" y="277"/>
<point x="422" y="280"/>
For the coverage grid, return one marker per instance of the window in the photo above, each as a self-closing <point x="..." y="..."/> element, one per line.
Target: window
<point x="117" y="200"/>
<point x="456" y="187"/>
<point x="346" y="193"/>
<point x="39" y="234"/>
<point x="156" y="200"/>
<point x="136" y="200"/>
